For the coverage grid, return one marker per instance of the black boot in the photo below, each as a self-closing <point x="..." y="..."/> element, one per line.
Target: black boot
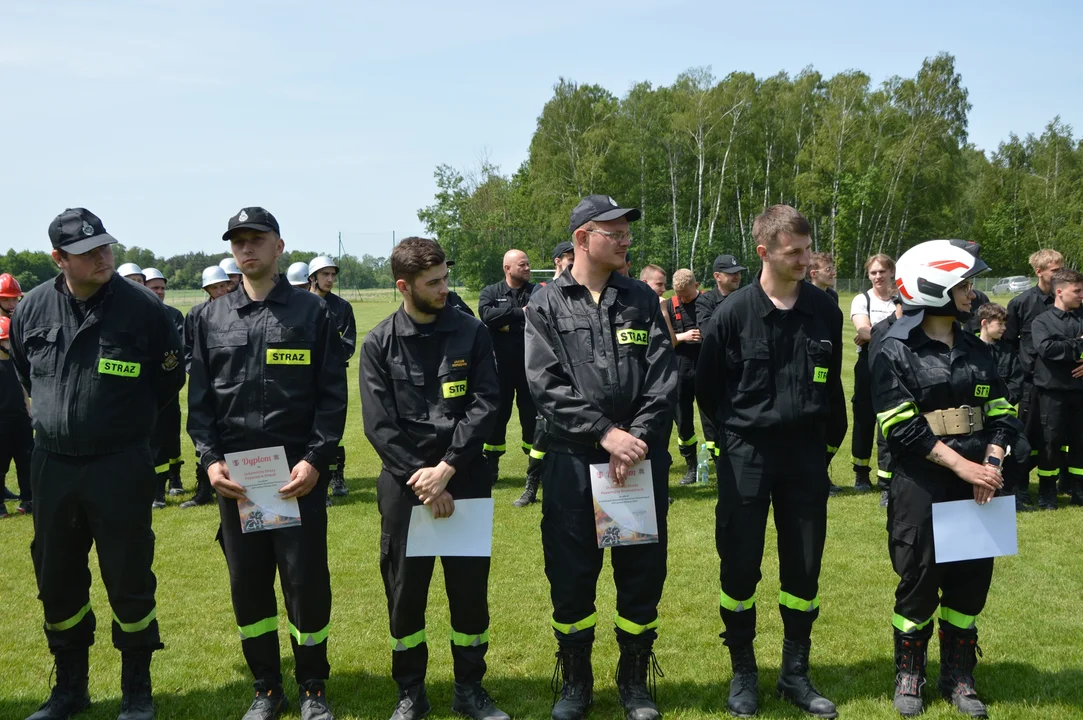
<point x="530" y="493"/>
<point x="1047" y="493"/>
<point x="573" y="681"/>
<point x="268" y="704"/>
<point x="176" y="487"/>
<point x="413" y="703"/>
<point x="862" y="479"/>
<point x="744" y="699"/>
<point x="958" y="655"/>
<point x="338" y="483"/>
<point x="1076" y="482"/>
<point x="492" y="468"/>
<point x="471" y="700"/>
<point x="794" y="684"/>
<point x="689" y="474"/>
<point x="159" y="492"/>
<point x="136" y="702"/>
<point x="910" y="655"/>
<point x="314" y="706"/>
<point x="204" y="492"/>
<point x="69" y="695"/>
<point x="637" y="671"/>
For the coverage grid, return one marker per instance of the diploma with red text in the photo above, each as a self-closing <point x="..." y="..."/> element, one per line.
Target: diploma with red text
<point x="261" y="473"/>
<point x="624" y="514"/>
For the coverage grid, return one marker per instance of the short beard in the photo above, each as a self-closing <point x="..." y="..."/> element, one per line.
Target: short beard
<point x="427" y="308"/>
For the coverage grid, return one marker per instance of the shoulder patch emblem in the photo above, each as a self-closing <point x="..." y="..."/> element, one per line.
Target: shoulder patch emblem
<point x="170" y="361"/>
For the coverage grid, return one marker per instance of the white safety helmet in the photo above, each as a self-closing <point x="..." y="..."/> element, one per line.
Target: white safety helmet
<point x="298" y="274"/>
<point x="214" y="275"/>
<point x="229" y="265"/>
<point x="926" y="273"/>
<point x="319" y="263"/>
<point x="152" y="274"/>
<point x="129" y="269"/>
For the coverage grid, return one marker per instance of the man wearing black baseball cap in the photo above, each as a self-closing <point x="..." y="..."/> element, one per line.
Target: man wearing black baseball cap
<point x="100" y="358"/>
<point x="601" y="369"/>
<point x="727" y="279"/>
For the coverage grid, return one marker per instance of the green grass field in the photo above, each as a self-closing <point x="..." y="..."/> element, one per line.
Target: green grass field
<point x="1031" y="631"/>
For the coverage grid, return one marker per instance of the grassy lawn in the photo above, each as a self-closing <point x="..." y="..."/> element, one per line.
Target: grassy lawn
<point x="1031" y="632"/>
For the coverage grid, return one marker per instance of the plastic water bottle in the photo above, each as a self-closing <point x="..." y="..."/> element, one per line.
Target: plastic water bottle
<point x="703" y="465"/>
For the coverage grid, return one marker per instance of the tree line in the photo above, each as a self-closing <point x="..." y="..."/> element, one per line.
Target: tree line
<point x="185" y="271"/>
<point x="875" y="168"/>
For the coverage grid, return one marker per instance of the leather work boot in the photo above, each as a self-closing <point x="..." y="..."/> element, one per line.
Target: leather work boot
<point x="743" y="699"/>
<point x="69" y="696"/>
<point x="573" y="681"/>
<point x="958" y="655"/>
<point x="794" y="684"/>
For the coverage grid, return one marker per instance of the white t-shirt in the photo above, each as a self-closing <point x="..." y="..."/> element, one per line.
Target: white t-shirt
<point x="880" y="308"/>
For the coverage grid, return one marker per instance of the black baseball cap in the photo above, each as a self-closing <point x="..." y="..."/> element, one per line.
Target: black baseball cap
<point x="727" y="264"/>
<point x="254" y="218"/>
<point x="600" y="208"/>
<point x="78" y="231"/>
<point x="561" y="248"/>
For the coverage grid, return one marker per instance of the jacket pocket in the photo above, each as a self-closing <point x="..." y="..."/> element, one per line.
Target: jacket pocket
<point x="227" y="351"/>
<point x="409" y="391"/>
<point x="41" y="347"/>
<point x="755" y="364"/>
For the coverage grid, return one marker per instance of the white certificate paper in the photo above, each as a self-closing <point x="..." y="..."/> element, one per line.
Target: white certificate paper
<point x="261" y="473"/>
<point x="467" y="533"/>
<point x="965" y="530"/>
<point x="624" y="514"/>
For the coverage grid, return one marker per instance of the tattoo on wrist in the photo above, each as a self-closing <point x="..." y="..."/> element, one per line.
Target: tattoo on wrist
<point x="937" y="457"/>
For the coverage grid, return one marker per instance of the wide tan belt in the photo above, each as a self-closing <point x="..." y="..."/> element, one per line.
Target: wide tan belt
<point x="955" y="421"/>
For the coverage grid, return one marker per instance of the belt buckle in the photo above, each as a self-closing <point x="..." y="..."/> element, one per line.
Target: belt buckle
<point x="969" y="417"/>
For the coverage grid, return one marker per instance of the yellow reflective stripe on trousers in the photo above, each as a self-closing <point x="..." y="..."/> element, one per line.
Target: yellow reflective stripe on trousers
<point x="1075" y="471"/>
<point x="885" y="474"/>
<point x="862" y="462"/>
<point x="1048" y="473"/>
<point x="734" y="605"/>
<point x="464" y="640"/>
<point x="634" y="628"/>
<point x="536" y="454"/>
<point x="1064" y="448"/>
<point x="889" y="418"/>
<point x="486" y="447"/>
<point x="138" y="625"/>
<point x="70" y="622"/>
<point x="176" y="461"/>
<point x="999" y="407"/>
<point x="832" y="449"/>
<point x="963" y="622"/>
<point x="264" y="626"/>
<point x="905" y="625"/>
<point x="409" y="642"/>
<point x="569" y="628"/>
<point x="685" y="443"/>
<point x="309" y="639"/>
<point x="795" y="603"/>
<point x="163" y="468"/>
<point x="713" y="448"/>
<point x="527" y="447"/>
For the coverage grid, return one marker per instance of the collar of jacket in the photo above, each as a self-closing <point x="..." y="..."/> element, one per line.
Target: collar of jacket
<point x="904" y="329"/>
<point x="60" y="284"/>
<point x="802" y="304"/>
<point x="1060" y="314"/>
<point x="565" y="282"/>
<point x="1047" y="298"/>
<point x="447" y="320"/>
<point x="279" y="294"/>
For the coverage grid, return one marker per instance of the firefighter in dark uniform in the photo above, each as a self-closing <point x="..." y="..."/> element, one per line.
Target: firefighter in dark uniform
<point x="769" y="374"/>
<point x="16" y="433"/>
<point x="322" y="273"/>
<point x="429" y="397"/>
<point x="455" y="301"/>
<point x="100" y="358"/>
<point x="727" y="279"/>
<point x="1022" y="309"/>
<point x="601" y="370"/>
<point x="884" y="464"/>
<point x="166" y="441"/>
<point x="1058" y="375"/>
<point x="500" y="307"/>
<point x="563" y="257"/>
<point x="943" y="409"/>
<point x="685" y="320"/>
<point x="268" y="370"/>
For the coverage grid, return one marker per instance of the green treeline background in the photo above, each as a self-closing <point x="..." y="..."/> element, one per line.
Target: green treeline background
<point x="875" y="168"/>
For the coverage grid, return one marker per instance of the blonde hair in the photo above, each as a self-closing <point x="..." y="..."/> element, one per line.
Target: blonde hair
<point x="649" y="270"/>
<point x="1044" y="258"/>
<point x="885" y="262"/>
<point x="683" y="279"/>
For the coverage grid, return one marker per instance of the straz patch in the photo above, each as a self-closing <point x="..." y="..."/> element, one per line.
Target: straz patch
<point x="289" y="357"/>
<point x="981" y="391"/>
<point x="631" y="337"/>
<point x="120" y="368"/>
<point x="819" y="375"/>
<point x="454" y="389"/>
<point x="170" y="361"/>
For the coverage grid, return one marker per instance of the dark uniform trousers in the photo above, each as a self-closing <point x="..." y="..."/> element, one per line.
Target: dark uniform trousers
<point x="753" y="475"/>
<point x="959" y="588"/>
<point x="514" y="390"/>
<point x="1061" y="420"/>
<point x="406" y="584"/>
<point x="16" y="445"/>
<point x="864" y="416"/>
<point x="101" y="499"/>
<point x="684" y="413"/>
<point x="573" y="560"/>
<point x="299" y="554"/>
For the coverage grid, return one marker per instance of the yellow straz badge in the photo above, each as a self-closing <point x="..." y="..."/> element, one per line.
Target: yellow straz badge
<point x="981" y="391"/>
<point x="119" y="368"/>
<point x="289" y="357"/>
<point x="819" y="375"/>
<point x="454" y="389"/>
<point x="631" y="337"/>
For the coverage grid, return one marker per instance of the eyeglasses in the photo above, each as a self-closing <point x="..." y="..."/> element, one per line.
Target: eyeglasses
<point x="618" y="236"/>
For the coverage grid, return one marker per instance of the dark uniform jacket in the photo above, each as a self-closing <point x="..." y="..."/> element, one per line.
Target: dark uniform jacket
<point x="342" y="313"/>
<point x="414" y="418"/>
<point x="707" y="302"/>
<point x="1058" y="348"/>
<point x="266" y="374"/>
<point x="1010" y="369"/>
<point x="1022" y="309"/>
<point x="12" y="403"/>
<point x="594" y="366"/>
<point x="458" y="303"/>
<point x="685" y="317"/>
<point x="763" y="371"/>
<point x="500" y="307"/>
<point x="98" y="371"/>
<point x="190" y="332"/>
<point x="914" y="374"/>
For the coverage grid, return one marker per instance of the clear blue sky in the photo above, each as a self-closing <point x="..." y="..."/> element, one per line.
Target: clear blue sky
<point x="166" y="117"/>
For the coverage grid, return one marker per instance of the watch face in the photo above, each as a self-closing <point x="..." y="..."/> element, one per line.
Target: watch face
<point x="995" y="461"/>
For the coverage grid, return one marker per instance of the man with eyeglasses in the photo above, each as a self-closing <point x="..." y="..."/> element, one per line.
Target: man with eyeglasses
<point x="602" y="372"/>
